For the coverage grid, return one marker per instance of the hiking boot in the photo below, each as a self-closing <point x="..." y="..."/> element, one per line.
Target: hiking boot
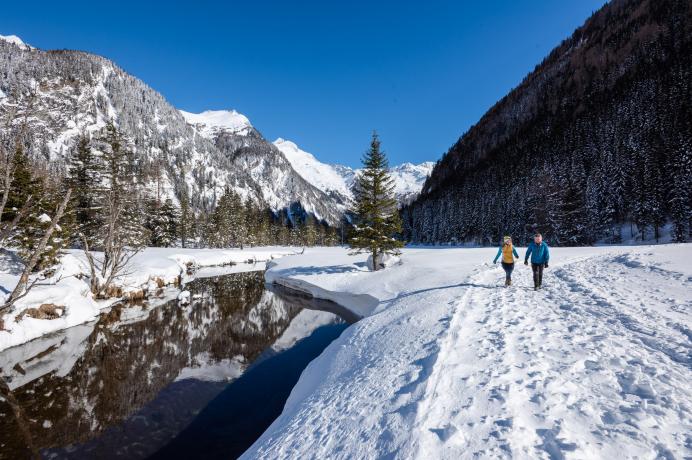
<point x="535" y="287"/>
<point x="507" y="282"/>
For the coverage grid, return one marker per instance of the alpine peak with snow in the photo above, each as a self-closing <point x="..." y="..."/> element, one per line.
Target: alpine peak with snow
<point x="173" y="285"/>
<point x="71" y="92"/>
<point x="15" y="41"/>
<point x="338" y="180"/>
<point x="211" y="122"/>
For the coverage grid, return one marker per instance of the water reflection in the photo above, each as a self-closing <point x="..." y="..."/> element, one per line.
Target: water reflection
<point x="125" y="385"/>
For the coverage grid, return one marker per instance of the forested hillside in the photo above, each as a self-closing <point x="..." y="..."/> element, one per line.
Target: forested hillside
<point x="596" y="139"/>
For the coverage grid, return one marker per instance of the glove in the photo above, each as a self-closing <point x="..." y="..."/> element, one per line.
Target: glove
<point x="495" y="262"/>
<point x="526" y="262"/>
<point x="545" y="265"/>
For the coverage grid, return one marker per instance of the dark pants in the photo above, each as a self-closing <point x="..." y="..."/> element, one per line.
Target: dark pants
<point x="508" y="269"/>
<point x="537" y="274"/>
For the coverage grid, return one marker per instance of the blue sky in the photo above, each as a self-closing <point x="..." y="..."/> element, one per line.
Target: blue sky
<point x="323" y="74"/>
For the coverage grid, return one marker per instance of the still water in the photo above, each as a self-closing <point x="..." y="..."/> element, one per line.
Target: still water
<point x="166" y="380"/>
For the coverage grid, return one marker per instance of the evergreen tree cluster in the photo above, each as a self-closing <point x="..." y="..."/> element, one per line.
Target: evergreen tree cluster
<point x="583" y="148"/>
<point x="239" y="223"/>
<point x="104" y="174"/>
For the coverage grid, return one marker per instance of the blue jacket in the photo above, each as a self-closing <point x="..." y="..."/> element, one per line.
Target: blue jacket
<point x="539" y="254"/>
<point x="499" y="253"/>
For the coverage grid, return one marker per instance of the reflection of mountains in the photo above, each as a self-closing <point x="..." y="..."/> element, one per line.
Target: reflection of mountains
<point x="129" y="356"/>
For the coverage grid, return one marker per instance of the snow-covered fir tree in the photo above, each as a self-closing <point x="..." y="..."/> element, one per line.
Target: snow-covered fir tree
<point x="376" y="215"/>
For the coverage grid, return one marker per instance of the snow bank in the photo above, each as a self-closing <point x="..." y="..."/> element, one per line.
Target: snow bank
<point x="451" y="365"/>
<point x="68" y="289"/>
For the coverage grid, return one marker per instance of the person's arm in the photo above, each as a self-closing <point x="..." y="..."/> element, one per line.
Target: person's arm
<point x="528" y="253"/>
<point x="547" y="255"/>
<point x="499" y="251"/>
<point x="516" y="254"/>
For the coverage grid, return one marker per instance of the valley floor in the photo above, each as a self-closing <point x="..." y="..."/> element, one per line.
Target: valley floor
<point x="450" y="364"/>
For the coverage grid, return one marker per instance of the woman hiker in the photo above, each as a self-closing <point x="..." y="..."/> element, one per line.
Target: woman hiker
<point x="540" y="255"/>
<point x="508" y="255"/>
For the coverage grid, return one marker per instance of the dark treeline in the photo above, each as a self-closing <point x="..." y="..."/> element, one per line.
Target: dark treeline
<point x="597" y="138"/>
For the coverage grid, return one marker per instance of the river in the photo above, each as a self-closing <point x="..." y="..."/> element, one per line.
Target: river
<point x="163" y="379"/>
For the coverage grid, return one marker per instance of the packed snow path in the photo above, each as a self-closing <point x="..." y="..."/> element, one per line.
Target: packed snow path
<point x="595" y="365"/>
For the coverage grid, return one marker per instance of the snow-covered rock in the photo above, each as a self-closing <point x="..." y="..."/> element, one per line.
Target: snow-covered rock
<point x="184" y="297"/>
<point x="383" y="261"/>
<point x="211" y="122"/>
<point x="13" y="39"/>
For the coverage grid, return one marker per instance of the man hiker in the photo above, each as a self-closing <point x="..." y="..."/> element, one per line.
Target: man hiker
<point x="508" y="253"/>
<point x="540" y="255"/>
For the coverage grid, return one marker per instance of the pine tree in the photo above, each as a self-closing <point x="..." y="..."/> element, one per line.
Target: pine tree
<point x="185" y="223"/>
<point x="376" y="213"/>
<point x="83" y="177"/>
<point x="121" y="204"/>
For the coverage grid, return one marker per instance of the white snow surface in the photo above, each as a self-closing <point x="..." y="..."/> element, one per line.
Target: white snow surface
<point x="451" y="364"/>
<point x="210" y="122"/>
<point x="15" y="40"/>
<point x="321" y="175"/>
<point x="68" y="288"/>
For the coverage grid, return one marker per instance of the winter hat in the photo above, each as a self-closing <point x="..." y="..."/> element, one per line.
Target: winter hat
<point x="507" y="239"/>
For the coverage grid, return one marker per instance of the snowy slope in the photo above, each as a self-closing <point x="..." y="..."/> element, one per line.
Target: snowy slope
<point x="338" y="179"/>
<point x="321" y="175"/>
<point x="451" y="365"/>
<point x="15" y="41"/>
<point x="210" y="122"/>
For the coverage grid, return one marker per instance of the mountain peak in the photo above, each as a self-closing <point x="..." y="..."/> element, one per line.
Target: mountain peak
<point x="211" y="122"/>
<point x="16" y="41"/>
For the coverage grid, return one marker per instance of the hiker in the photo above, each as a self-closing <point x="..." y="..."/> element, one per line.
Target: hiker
<point x="540" y="255"/>
<point x="508" y="254"/>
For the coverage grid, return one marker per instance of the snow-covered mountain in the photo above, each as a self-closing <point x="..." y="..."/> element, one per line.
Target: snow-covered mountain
<point x="212" y="122"/>
<point x="15" y="41"/>
<point x="63" y="93"/>
<point x="337" y="180"/>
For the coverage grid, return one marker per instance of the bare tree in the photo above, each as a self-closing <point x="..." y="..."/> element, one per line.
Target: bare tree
<point x="116" y="251"/>
<point x="23" y="287"/>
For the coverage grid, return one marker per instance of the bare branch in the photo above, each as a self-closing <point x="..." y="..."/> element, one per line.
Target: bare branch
<point x="21" y="288"/>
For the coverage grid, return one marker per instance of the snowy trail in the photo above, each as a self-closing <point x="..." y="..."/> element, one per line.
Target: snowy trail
<point x="587" y="366"/>
<point x="453" y="365"/>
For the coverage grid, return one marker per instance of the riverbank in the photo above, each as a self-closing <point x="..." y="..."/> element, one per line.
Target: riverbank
<point x="64" y="300"/>
<point x="449" y="364"/>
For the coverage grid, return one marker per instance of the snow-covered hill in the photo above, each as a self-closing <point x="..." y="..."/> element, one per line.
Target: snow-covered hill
<point x="452" y="365"/>
<point x="64" y="93"/>
<point x="338" y="180"/>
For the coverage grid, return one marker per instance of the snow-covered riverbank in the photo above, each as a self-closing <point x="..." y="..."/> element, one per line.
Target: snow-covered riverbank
<point x="449" y="364"/>
<point x="67" y="291"/>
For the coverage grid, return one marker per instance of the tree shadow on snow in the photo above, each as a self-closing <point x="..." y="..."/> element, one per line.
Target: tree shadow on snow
<point x="332" y="269"/>
<point x="437" y="288"/>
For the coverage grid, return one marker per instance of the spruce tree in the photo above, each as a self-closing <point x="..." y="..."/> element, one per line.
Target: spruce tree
<point x="83" y="177"/>
<point x="185" y="222"/>
<point x="376" y="215"/>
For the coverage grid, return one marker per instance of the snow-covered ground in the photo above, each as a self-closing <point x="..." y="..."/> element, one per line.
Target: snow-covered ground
<point x="450" y="364"/>
<point x="68" y="288"/>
